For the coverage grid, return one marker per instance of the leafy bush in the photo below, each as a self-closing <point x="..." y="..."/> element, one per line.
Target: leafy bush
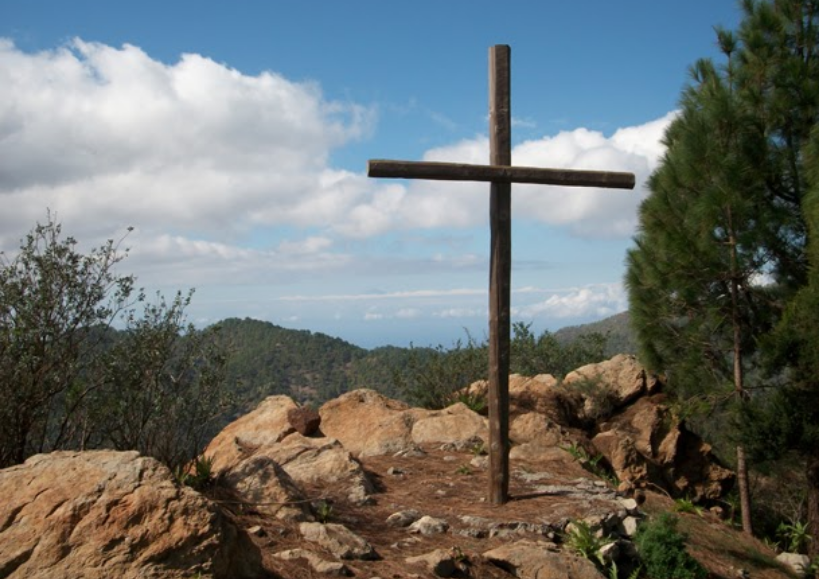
<point x="56" y="307"/>
<point x="794" y="536"/>
<point x="68" y="380"/>
<point x="662" y="549"/>
<point x="161" y="385"/>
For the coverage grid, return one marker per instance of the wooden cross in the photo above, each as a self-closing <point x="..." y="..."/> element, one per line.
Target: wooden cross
<point x="501" y="175"/>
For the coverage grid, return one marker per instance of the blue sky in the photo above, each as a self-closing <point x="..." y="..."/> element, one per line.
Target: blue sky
<point x="234" y="137"/>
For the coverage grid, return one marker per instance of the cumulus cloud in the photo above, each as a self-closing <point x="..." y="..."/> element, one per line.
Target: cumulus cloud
<point x="592" y="301"/>
<point x="587" y="212"/>
<point x="110" y="135"/>
<point x="205" y="161"/>
<point x="106" y="135"/>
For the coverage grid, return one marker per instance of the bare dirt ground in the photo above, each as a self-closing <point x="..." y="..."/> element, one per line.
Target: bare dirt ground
<point x="443" y="484"/>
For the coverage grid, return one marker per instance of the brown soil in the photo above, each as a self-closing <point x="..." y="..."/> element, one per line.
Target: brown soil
<point x="444" y="485"/>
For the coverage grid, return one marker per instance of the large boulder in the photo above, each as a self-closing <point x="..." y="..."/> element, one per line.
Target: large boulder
<point x="645" y="443"/>
<point x="608" y="386"/>
<point x="456" y="423"/>
<point x="112" y="514"/>
<point x="261" y="483"/>
<point x="368" y="423"/>
<point x="268" y="424"/>
<point x="266" y="445"/>
<point x="622" y="375"/>
<point x="322" y="461"/>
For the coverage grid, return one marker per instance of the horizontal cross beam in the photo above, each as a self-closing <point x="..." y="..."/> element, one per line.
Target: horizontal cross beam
<point x="498" y="174"/>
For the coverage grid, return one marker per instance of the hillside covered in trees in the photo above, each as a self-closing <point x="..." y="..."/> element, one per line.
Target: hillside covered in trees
<point x="266" y="359"/>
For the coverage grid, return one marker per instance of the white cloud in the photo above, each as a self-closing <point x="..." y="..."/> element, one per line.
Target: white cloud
<point x="306" y="246"/>
<point x="587" y="212"/>
<point x="592" y="301"/>
<point x="110" y="135"/>
<point x="227" y="179"/>
<point x="408" y="294"/>
<point x="462" y="313"/>
<point x="408" y="313"/>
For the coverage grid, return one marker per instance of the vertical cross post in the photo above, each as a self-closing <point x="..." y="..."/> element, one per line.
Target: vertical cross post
<point x="500" y="273"/>
<point x="500" y="174"/>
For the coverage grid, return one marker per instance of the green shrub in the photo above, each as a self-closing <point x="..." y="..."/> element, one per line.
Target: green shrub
<point x="581" y="540"/>
<point x="662" y="549"/>
<point x="682" y="505"/>
<point x="198" y="475"/>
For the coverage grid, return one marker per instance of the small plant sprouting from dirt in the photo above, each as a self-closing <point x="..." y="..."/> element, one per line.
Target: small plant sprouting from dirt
<point x="475" y="402"/>
<point x="593" y="464"/>
<point x="464" y="470"/>
<point x="323" y="511"/>
<point x="581" y="540"/>
<point x="683" y="505"/>
<point x="198" y="475"/>
<point x="794" y="536"/>
<point x="479" y="449"/>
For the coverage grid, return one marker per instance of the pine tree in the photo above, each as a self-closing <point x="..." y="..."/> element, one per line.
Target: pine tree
<point x="724" y="213"/>
<point x="786" y="420"/>
<point x="692" y="277"/>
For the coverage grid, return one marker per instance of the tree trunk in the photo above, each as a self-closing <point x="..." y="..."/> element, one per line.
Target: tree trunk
<point x="744" y="492"/>
<point x="813" y="504"/>
<point x="739" y="381"/>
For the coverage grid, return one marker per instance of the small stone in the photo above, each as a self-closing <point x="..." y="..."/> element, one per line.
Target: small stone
<point x="304" y="420"/>
<point x="631" y="506"/>
<point x="799" y="563"/>
<point x="339" y="540"/>
<point x="427" y="525"/>
<point x="256" y="531"/>
<point x="403" y="518"/>
<point x="481" y="462"/>
<point x="625" y="488"/>
<point x="318" y="564"/>
<point x="628" y="526"/>
<point x="392" y="471"/>
<point x="609" y="553"/>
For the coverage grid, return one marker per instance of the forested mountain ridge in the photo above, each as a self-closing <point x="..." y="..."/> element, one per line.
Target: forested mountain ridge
<point x="266" y="359"/>
<point x="617" y="329"/>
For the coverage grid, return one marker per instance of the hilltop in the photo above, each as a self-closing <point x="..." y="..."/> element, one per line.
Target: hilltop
<point x="370" y="487"/>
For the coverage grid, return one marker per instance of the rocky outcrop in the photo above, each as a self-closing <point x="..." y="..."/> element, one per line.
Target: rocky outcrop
<point x="456" y="423"/>
<point x="112" y="514"/>
<point x="621" y="378"/>
<point x="268" y="424"/>
<point x="368" y="423"/>
<point x="645" y="444"/>
<point x="282" y="467"/>
<point x="338" y="540"/>
<point x="263" y="458"/>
